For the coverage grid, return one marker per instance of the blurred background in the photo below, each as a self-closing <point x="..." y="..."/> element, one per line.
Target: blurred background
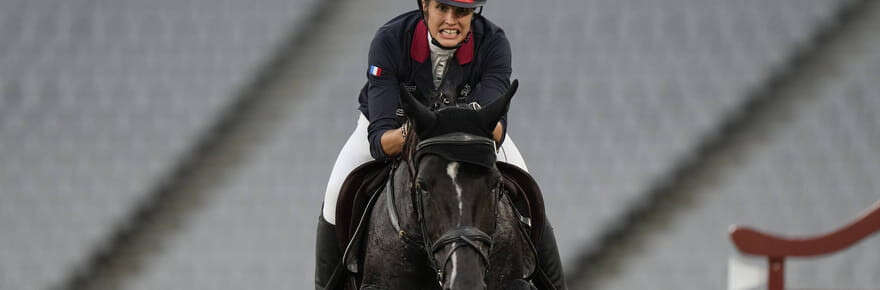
<point x="185" y="144"/>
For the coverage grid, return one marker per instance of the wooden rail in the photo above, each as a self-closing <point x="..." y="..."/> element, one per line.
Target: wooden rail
<point x="776" y="248"/>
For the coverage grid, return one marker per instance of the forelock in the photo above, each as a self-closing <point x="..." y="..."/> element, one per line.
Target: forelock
<point x="455" y="119"/>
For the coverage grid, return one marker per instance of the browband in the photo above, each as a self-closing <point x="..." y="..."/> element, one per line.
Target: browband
<point x="456" y="139"/>
<point x="461" y="147"/>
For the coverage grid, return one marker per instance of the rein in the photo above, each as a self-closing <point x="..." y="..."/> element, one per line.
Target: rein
<point x="459" y="237"/>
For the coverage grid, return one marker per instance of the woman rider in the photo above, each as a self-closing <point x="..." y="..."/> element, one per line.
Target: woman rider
<point x="444" y="53"/>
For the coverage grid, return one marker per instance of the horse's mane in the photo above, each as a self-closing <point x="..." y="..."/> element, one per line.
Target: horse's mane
<point x="410" y="143"/>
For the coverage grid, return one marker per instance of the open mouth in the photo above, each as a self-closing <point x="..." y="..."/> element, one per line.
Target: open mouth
<point x="449" y="33"/>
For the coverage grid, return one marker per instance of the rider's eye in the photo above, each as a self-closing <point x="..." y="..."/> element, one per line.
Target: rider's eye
<point x="462" y="12"/>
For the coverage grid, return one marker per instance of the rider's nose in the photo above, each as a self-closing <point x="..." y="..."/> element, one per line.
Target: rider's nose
<point x="449" y="17"/>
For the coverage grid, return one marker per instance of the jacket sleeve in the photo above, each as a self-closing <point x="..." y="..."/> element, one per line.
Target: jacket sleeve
<point x="496" y="75"/>
<point x="383" y="91"/>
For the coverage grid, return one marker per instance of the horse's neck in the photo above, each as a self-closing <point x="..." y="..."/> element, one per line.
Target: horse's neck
<point x="403" y="199"/>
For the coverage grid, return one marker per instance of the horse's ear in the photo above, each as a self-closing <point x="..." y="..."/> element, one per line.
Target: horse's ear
<point x="493" y="112"/>
<point x="423" y="118"/>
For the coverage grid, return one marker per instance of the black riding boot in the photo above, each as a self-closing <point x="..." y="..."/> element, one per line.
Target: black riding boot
<point x="549" y="263"/>
<point x="328" y="254"/>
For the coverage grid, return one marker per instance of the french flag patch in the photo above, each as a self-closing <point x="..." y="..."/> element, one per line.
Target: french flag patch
<point x="375" y="71"/>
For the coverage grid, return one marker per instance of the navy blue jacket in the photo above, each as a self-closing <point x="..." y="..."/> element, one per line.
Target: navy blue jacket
<point x="400" y="56"/>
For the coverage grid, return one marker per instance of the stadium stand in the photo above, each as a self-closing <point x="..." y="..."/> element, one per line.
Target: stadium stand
<point x="100" y="99"/>
<point x="806" y="162"/>
<point x="615" y="94"/>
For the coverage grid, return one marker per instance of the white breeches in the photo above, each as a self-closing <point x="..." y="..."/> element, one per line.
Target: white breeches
<point x="356" y="151"/>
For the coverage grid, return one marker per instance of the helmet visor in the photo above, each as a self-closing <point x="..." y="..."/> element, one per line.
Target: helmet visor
<point x="463" y="3"/>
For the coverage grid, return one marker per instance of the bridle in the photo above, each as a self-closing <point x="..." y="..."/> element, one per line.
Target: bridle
<point x="459" y="237"/>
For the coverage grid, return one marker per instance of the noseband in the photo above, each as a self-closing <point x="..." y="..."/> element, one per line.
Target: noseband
<point x="461" y="236"/>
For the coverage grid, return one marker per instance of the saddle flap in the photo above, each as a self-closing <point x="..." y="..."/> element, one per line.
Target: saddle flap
<point x="355" y="195"/>
<point x="352" y="254"/>
<point x="526" y="195"/>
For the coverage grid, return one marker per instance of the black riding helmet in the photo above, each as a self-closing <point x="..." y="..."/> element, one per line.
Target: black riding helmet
<point x="458" y="3"/>
<point x="463" y="3"/>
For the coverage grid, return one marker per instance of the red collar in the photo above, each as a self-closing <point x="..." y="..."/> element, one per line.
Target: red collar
<point x="419" y="50"/>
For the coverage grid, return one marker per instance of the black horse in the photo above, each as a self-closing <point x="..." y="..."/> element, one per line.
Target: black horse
<point x="444" y="222"/>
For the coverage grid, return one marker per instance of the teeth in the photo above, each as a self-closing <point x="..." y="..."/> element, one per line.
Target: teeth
<point x="450" y="31"/>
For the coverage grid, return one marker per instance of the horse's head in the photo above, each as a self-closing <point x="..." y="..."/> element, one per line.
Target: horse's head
<point x="456" y="186"/>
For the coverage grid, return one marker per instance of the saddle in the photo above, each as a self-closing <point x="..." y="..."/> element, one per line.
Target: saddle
<point x="526" y="196"/>
<point x="366" y="182"/>
<point x="363" y="183"/>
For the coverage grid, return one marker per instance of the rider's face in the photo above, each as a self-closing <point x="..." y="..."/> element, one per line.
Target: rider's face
<point x="448" y="25"/>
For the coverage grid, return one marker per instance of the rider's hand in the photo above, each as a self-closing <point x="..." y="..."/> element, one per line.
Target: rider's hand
<point x="392" y="142"/>
<point x="497" y="133"/>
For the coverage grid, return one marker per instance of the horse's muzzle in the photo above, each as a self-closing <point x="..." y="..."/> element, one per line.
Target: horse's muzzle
<point x="462" y="237"/>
